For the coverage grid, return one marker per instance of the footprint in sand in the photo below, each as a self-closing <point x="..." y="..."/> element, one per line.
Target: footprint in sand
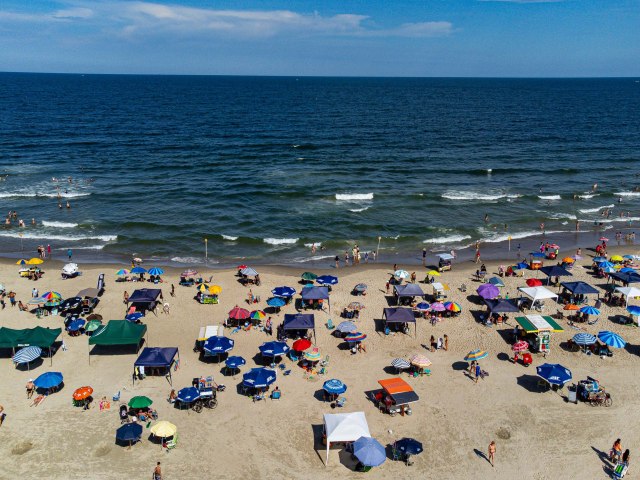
<point x="503" y="434"/>
<point x="21" y="448"/>
<point x="102" y="450"/>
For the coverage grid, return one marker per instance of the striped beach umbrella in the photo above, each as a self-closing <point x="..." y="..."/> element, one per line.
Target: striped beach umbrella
<point x="313" y="356"/>
<point x="355" y="337"/>
<point x="334" y="387"/>
<point x="437" y="307"/>
<point x="475" y="355"/>
<point x="155" y="271"/>
<point x="420" y="361"/>
<point x="51" y="297"/>
<point x="22" y="261"/>
<point x="401" y="274"/>
<point x="189" y="272"/>
<point x="453" y="307"/>
<point x="258" y="315"/>
<point x="520" y="346"/>
<point x="122" y="271"/>
<point x="611" y="339"/>
<point x="400" y="363"/>
<point x="589" y="310"/>
<point x="584" y="339"/>
<point x="347" y="327"/>
<point x="27" y="354"/>
<point x="203" y="287"/>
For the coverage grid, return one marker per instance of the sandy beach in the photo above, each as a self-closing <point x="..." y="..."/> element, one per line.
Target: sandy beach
<point x="538" y="434"/>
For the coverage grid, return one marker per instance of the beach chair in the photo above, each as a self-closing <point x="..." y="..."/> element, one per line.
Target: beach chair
<point x="325" y="362"/>
<point x="286" y="372"/>
<point x="257" y="397"/>
<point x="276" y="395"/>
<point x="293" y="357"/>
<point x="173" y="443"/>
<point x="341" y="401"/>
<point x="620" y="470"/>
<point x="116" y="397"/>
<point x="330" y="325"/>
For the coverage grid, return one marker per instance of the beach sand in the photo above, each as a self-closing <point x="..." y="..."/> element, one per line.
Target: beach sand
<point x="538" y="435"/>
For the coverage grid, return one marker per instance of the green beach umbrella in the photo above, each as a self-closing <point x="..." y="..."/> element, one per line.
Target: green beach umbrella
<point x="92" y="325"/>
<point x="309" y="276"/>
<point x="140" y="402"/>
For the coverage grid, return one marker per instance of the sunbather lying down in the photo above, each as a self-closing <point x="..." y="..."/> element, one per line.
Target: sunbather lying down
<point x="38" y="400"/>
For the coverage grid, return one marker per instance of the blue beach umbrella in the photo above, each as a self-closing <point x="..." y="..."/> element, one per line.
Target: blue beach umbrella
<point x="155" y="271"/>
<point x="188" y="394"/>
<point x="134" y="317"/>
<point x="327" y="280"/>
<point x="409" y="446"/>
<point x="218" y="345"/>
<point x="584" y="339"/>
<point x="538" y="254"/>
<point x="605" y="264"/>
<point x="554" y="373"/>
<point x="274" y="349"/>
<point x="633" y="309"/>
<point x="334" y="387"/>
<point x="522" y="265"/>
<point x="235" y="362"/>
<point x="423" y="306"/>
<point x="276" y="302"/>
<point x="347" y="327"/>
<point x="496" y="281"/>
<point x="627" y="270"/>
<point x="369" y="451"/>
<point x="75" y="325"/>
<point x="284" y="291"/>
<point x="599" y="259"/>
<point x="27" y="354"/>
<point x="611" y="339"/>
<point x="48" y="380"/>
<point x="137" y="270"/>
<point x="259" y="377"/>
<point x="589" y="310"/>
<point x="130" y="432"/>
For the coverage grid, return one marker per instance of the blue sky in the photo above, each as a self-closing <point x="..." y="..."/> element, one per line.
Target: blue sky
<point x="521" y="38"/>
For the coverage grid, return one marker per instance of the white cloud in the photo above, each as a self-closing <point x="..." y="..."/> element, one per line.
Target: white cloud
<point x="424" y="29"/>
<point x="78" y="12"/>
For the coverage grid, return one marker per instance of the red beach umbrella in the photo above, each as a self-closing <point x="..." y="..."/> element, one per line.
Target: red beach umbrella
<point x="520" y="346"/>
<point x="239" y="313"/>
<point x="301" y="345"/>
<point x="534" y="282"/>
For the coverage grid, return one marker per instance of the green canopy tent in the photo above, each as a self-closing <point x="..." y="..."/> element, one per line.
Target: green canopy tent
<point x="38" y="337"/>
<point x="118" y="332"/>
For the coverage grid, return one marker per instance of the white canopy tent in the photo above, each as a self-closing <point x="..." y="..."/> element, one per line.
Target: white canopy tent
<point x="344" y="427"/>
<point x="629" y="292"/>
<point x="537" y="293"/>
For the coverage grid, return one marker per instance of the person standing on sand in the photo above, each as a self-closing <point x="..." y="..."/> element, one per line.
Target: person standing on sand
<point x="446" y="342"/>
<point x="424" y="257"/>
<point x="477" y="255"/>
<point x="49" y="251"/>
<point x="492" y="452"/>
<point x="337" y="259"/>
<point x="2" y="415"/>
<point x="157" y="472"/>
<point x="70" y="254"/>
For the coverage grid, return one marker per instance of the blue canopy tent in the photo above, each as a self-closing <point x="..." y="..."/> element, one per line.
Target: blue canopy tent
<point x="625" y="278"/>
<point x="579" y="288"/>
<point x="555" y="271"/>
<point x="409" y="290"/>
<point x="145" y="298"/>
<point x="300" y="321"/>
<point x="400" y="315"/>
<point x="310" y="294"/>
<point x="157" y="358"/>
<point x="501" y="305"/>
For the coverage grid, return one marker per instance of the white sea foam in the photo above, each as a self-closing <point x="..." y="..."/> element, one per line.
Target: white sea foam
<point x="466" y="195"/>
<point x="62" y="238"/>
<point x="357" y="210"/>
<point x="90" y="247"/>
<point x="594" y="210"/>
<point x="350" y="197"/>
<point x="449" y="239"/>
<point x="618" y="219"/>
<point x="315" y="258"/>
<point x="518" y="235"/>
<point x="549" y="197"/>
<point x="309" y="245"/>
<point x="280" y="241"/>
<point x="47" y="223"/>
<point x="628" y="194"/>
<point x="588" y="195"/>
<point x="559" y="215"/>
<point x="36" y="194"/>
<point x="229" y="237"/>
<point x="188" y="260"/>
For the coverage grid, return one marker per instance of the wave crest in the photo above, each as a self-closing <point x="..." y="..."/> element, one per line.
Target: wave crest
<point x="280" y="241"/>
<point x="349" y="197"/>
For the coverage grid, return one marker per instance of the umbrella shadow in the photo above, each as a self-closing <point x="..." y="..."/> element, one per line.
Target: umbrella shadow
<point x="503" y="357"/>
<point x="481" y="454"/>
<point x="391" y="370"/>
<point x="347" y="459"/>
<point x="530" y="383"/>
<point x="460" y="366"/>
<point x="475" y="299"/>
<point x="32" y="365"/>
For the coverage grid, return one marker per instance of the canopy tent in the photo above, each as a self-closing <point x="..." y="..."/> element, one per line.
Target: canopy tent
<point x="579" y="288"/>
<point x="629" y="292"/>
<point x="408" y="290"/>
<point x="27" y="337"/>
<point x="157" y="357"/>
<point x="400" y="315"/>
<point x="538" y="323"/>
<point x="556" y="271"/>
<point x="145" y="297"/>
<point x="400" y="391"/>
<point x="344" y="427"/>
<point x="537" y="293"/>
<point x="501" y="305"/>
<point x="316" y="293"/>
<point x="300" y="321"/>
<point x="625" y="278"/>
<point x="88" y="292"/>
<point x="118" y="332"/>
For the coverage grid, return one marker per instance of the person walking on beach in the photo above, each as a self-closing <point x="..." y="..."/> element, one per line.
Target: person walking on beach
<point x="446" y="342"/>
<point x="2" y="415"/>
<point x="492" y="452"/>
<point x="157" y="472"/>
<point x="49" y="251"/>
<point x="477" y="255"/>
<point x="616" y="451"/>
<point x="69" y="254"/>
<point x="173" y="290"/>
<point x="478" y="371"/>
<point x="424" y="257"/>
<point x="337" y="259"/>
<point x="125" y="297"/>
<point x="346" y="258"/>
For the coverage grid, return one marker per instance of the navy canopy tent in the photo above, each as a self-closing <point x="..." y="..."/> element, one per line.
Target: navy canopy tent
<point x="157" y="357"/>
<point x="316" y="293"/>
<point x="625" y="278"/>
<point x="300" y="321"/>
<point x="501" y="305"/>
<point x="408" y="290"/>
<point x="145" y="297"/>
<point x="400" y="315"/>
<point x="555" y="271"/>
<point x="579" y="288"/>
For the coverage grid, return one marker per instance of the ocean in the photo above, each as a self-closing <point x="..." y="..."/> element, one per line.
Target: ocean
<point x="263" y="167"/>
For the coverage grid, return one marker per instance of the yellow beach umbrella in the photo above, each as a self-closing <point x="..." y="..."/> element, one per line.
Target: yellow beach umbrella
<point x="164" y="429"/>
<point x="434" y="273"/>
<point x="35" y="261"/>
<point x="215" y="289"/>
<point x="617" y="258"/>
<point x="568" y="260"/>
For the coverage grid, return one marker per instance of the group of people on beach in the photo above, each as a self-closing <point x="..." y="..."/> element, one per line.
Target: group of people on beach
<point x="355" y="257"/>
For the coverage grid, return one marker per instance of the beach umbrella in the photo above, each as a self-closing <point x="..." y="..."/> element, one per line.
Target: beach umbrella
<point x="313" y="356"/>
<point x="611" y="339"/>
<point x="35" y="261"/>
<point x="284" y="291"/>
<point x="453" y="307"/>
<point x="400" y="363"/>
<point x="554" y="246"/>
<point x="218" y="345"/>
<point x="420" y="361"/>
<point x="189" y="272"/>
<point x="334" y="387"/>
<point x="631" y="257"/>
<point x="249" y="272"/>
<point x="122" y="271"/>
<point x="617" y="258"/>
<point x="238" y="313"/>
<point x="589" y="310"/>
<point x="259" y="377"/>
<point x="554" y="373"/>
<point x="534" y="282"/>
<point x="360" y="287"/>
<point x="276" y="302"/>
<point x="401" y="274"/>
<point x="475" y="355"/>
<point x="82" y="393"/>
<point x="627" y="270"/>
<point x="75" y="325"/>
<point x="164" y="429"/>
<point x="522" y="265"/>
<point x="609" y="270"/>
<point x="409" y="446"/>
<point x="437" y="307"/>
<point x="355" y="306"/>
<point x="309" y="276"/>
<point x="215" y="289"/>
<point x="27" y="354"/>
<point x="633" y="309"/>
<point x="137" y="270"/>
<point x="140" y="402"/>
<point x="92" y="325"/>
<point x="258" y="315"/>
<point x="520" y="346"/>
<point x="155" y="271"/>
<point x="605" y="264"/>
<point x="369" y="451"/>
<point x="584" y="339"/>
<point x="134" y="317"/>
<point x="496" y="281"/>
<point x="571" y="307"/>
<point x="22" y="261"/>
<point x="274" y="349"/>
<point x="488" y="291"/>
<point x="327" y="280"/>
<point x="355" y="337"/>
<point x="129" y="432"/>
<point x="35" y="301"/>
<point x="433" y="273"/>
<point x="604" y="239"/>
<point x="301" y="345"/>
<point x="241" y="267"/>
<point x="51" y="297"/>
<point x="599" y="259"/>
<point x="72" y="302"/>
<point x="48" y="380"/>
<point x="346" y="327"/>
<point x="235" y="362"/>
<point x="203" y="287"/>
<point x="568" y="259"/>
<point x="423" y="306"/>
<point x="188" y="394"/>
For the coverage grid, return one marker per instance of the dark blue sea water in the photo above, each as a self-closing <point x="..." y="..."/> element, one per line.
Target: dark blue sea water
<point x="262" y="167"/>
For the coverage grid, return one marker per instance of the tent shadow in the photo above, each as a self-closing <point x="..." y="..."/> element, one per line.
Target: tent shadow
<point x="530" y="383"/>
<point x="318" y="434"/>
<point x="346" y="459"/>
<point x="506" y="334"/>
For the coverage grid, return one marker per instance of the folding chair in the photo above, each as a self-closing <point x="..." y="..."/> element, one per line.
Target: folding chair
<point x="341" y="401"/>
<point x="173" y="443"/>
<point x="330" y="325"/>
